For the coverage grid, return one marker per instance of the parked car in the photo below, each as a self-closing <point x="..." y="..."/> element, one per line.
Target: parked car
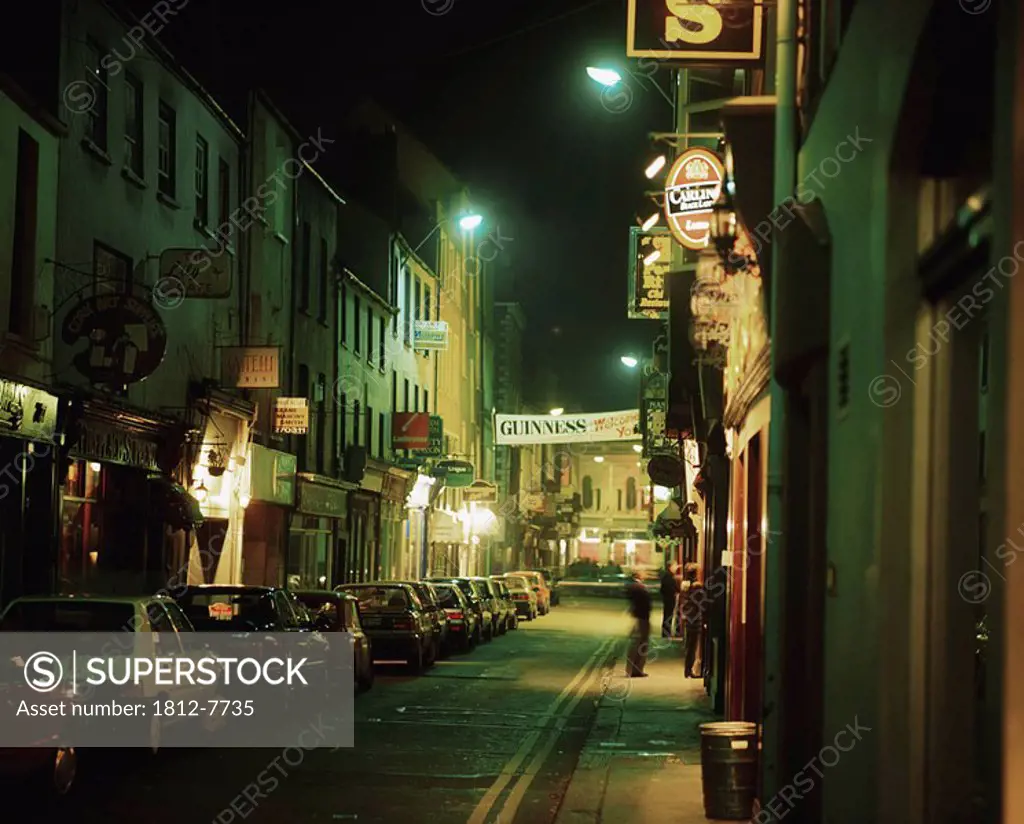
<point x="397" y="622"/>
<point x="463" y="624"/>
<point x="523" y="596"/>
<point x="335" y="612"/>
<point x="536" y="582"/>
<point x="432" y="604"/>
<point x="499" y="610"/>
<point x="479" y="599"/>
<point x="551" y="581"/>
<point x="511" y="615"/>
<point x="161" y="628"/>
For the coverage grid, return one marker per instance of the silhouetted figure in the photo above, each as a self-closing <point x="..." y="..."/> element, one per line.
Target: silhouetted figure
<point x="640" y="609"/>
<point x="693" y="614"/>
<point x="670" y="589"/>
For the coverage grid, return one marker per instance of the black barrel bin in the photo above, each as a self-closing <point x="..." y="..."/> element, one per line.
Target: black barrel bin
<point x="728" y="762"/>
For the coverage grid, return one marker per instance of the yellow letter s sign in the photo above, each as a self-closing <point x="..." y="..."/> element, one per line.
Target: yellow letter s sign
<point x="706" y="19"/>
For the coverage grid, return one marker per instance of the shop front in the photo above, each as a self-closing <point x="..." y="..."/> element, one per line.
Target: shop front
<point x="315" y="548"/>
<point x="28" y="425"/>
<point x="394" y="561"/>
<point x="415" y="555"/>
<point x="363" y="560"/>
<point x="220" y="482"/>
<point x="272" y="481"/>
<point x="448" y="545"/>
<point x="126" y="524"/>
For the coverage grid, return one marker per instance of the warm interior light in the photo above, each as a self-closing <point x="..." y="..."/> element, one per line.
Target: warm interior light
<point x="598" y="459"/>
<point x="653" y="256"/>
<point x="656" y="166"/>
<point x="647" y="224"/>
<point x="95" y="467"/>
<point x="200" y="492"/>
<point x="637" y="448"/>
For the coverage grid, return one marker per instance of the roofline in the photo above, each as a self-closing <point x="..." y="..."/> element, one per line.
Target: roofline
<point x="407" y="247"/>
<point x="32" y="107"/>
<point x="348" y="276"/>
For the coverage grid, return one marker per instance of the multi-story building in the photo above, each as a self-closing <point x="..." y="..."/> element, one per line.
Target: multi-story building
<point x="510" y="326"/>
<point x="30" y="139"/>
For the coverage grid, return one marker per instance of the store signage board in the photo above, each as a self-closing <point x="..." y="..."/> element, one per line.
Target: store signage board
<point x="692" y="187"/>
<point x="194" y="273"/>
<point x="593" y="427"/>
<point x="481" y="492"/>
<point x="696" y="32"/>
<point x="648" y="296"/>
<point x="435" y="439"/>
<point x="122" y="336"/>
<point x="456" y="474"/>
<point x="291" y="416"/>
<point x="410" y="430"/>
<point x="430" y="335"/>
<point x="250" y="367"/>
<point x="27" y="412"/>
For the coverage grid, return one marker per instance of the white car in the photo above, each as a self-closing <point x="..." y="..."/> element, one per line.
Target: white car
<point x="159" y="626"/>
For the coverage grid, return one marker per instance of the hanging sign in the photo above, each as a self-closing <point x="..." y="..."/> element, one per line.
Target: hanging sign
<point x="692" y="187"/>
<point x="430" y="335"/>
<point x="481" y="492"/>
<point x="456" y="474"/>
<point x="696" y="32"/>
<point x="291" y="416"/>
<point x="124" y="338"/>
<point x="410" y="430"/>
<point x="593" y="427"/>
<point x="435" y="439"/>
<point x="648" y="296"/>
<point x="250" y="367"/>
<point x="195" y="273"/>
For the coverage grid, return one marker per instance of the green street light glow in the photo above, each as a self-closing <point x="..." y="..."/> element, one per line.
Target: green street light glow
<point x="630" y="361"/>
<point x="469" y="222"/>
<point x="606" y="77"/>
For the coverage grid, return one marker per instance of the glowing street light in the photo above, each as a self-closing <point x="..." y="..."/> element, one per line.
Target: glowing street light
<point x="606" y="77"/>
<point x="656" y="166"/>
<point x="647" y="224"/>
<point x="469" y="222"/>
<point x="629" y="360"/>
<point x="557" y="411"/>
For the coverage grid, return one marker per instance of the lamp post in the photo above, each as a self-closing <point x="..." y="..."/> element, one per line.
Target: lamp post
<point x="610" y="78"/>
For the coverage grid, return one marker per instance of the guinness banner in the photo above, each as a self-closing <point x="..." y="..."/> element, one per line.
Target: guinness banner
<point x="593" y="427"/>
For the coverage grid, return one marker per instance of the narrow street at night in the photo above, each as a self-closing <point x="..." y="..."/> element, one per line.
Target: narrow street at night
<point x="492" y="735"/>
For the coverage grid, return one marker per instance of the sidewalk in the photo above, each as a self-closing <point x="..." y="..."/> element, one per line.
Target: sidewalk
<point x="641" y="762"/>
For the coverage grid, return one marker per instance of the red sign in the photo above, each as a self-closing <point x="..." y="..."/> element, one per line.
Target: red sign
<point x="693" y="185"/>
<point x="410" y="430"/>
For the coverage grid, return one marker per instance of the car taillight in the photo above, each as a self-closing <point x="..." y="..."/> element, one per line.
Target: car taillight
<point x="521" y="596"/>
<point x="402" y="623"/>
<point x="454" y="614"/>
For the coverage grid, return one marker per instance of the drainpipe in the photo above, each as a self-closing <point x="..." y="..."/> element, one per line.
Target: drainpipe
<point x="786" y="146"/>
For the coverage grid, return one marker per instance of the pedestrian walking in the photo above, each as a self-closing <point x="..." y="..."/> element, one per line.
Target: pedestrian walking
<point x="693" y="615"/>
<point x="670" y="589"/>
<point x="640" y="636"/>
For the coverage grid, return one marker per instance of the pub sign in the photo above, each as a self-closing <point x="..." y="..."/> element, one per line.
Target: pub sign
<point x="696" y="32"/>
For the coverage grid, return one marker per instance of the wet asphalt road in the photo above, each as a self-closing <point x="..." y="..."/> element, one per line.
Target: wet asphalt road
<point x="489" y="736"/>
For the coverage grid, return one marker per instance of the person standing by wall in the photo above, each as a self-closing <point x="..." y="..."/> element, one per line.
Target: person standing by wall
<point x="670" y="589"/>
<point x="693" y="615"/>
<point x="640" y="609"/>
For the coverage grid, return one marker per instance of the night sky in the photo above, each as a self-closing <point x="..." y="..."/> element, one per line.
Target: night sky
<point x="499" y="91"/>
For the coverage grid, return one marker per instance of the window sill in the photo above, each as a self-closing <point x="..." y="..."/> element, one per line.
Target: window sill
<point x="133" y="178"/>
<point x="96" y="152"/>
<point x="203" y="229"/>
<point x="167" y="200"/>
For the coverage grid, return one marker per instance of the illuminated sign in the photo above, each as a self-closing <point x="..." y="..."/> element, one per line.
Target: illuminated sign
<point x="693" y="186"/>
<point x="697" y="32"/>
<point x="594" y="427"/>
<point x="250" y="367"/>
<point x="291" y="416"/>
<point x="648" y="296"/>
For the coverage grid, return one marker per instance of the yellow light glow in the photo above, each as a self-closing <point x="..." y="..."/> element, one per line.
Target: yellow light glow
<point x="651" y="221"/>
<point x="95" y="466"/>
<point x="598" y="459"/>
<point x="656" y="166"/>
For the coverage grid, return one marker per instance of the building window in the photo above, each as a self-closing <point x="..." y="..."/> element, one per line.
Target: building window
<point x="324" y="280"/>
<point x="96" y="114"/>
<point x="166" y="168"/>
<point x="356" y="318"/>
<point x="202" y="181"/>
<point x="369" y="430"/>
<point x="426" y="302"/>
<point x="407" y="307"/>
<point x="416" y="399"/>
<point x="419" y="299"/>
<point x="597" y="495"/>
<point x="355" y="423"/>
<point x="631" y="494"/>
<point x="426" y="401"/>
<point x="344" y="315"/>
<point x="23" y="260"/>
<point x="303" y="392"/>
<point x="369" y="333"/>
<point x="321" y="422"/>
<point x="112" y="271"/>
<point x="223" y="195"/>
<point x="394" y="391"/>
<point x="405" y="397"/>
<point x="304" y="270"/>
<point x="134" y="118"/>
<point x="382" y="343"/>
<point x="380" y="434"/>
<point x="588" y="492"/>
<point x="620" y="499"/>
<point x="343" y="437"/>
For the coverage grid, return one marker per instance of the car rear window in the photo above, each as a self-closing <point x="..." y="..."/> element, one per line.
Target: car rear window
<point x="62" y="616"/>
<point x="515" y="582"/>
<point x="371" y="597"/>
<point x="448" y="597"/>
<point x="224" y="611"/>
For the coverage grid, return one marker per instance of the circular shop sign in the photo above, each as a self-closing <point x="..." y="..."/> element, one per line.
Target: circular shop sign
<point x="692" y="187"/>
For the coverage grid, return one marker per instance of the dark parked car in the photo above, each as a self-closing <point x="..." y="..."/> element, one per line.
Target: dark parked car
<point x="499" y="610"/>
<point x="479" y="599"/>
<point x="397" y="622"/>
<point x="432" y="604"/>
<point x="510" y="614"/>
<point x="463" y="624"/>
<point x="339" y="612"/>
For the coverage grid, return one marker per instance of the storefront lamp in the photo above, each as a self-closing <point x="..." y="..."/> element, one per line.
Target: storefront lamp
<point x="200" y="492"/>
<point x="655" y="166"/>
<point x="650" y="222"/>
<point x="243" y="501"/>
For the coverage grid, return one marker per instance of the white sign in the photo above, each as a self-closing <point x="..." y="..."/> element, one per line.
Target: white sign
<point x="593" y="427"/>
<point x="250" y="367"/>
<point x="291" y="416"/>
<point x="430" y="334"/>
<point x="202" y="275"/>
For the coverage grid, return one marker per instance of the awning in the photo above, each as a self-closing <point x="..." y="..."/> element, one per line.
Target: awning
<point x="321" y="496"/>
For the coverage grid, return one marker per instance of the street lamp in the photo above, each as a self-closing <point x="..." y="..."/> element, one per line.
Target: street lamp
<point x="629" y="361"/>
<point x="606" y="77"/>
<point x="654" y="167"/>
<point x="647" y="224"/>
<point x="557" y="411"/>
<point x="467" y="222"/>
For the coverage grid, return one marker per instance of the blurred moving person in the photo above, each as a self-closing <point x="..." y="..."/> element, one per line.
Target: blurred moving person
<point x="693" y="614"/>
<point x="640" y="609"/>
<point x="670" y="590"/>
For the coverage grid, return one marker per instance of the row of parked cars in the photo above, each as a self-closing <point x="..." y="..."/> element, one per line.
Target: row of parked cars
<point x="410" y="622"/>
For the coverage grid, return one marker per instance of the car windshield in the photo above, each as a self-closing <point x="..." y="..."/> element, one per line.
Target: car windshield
<point x="374" y="597"/>
<point x="449" y="597"/>
<point x="66" y="616"/>
<point x="515" y="582"/>
<point x="227" y="611"/>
